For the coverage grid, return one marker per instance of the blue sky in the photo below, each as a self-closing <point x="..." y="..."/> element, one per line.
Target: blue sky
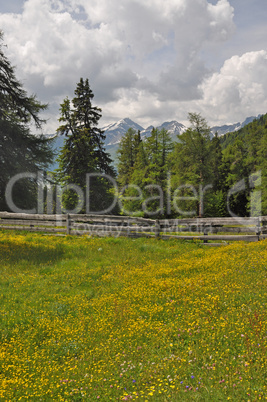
<point x="151" y="61"/>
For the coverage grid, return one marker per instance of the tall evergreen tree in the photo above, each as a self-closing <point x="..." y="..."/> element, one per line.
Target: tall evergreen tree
<point x="192" y="163"/>
<point x="158" y="147"/>
<point x="83" y="152"/>
<point x="216" y="200"/>
<point x="144" y="166"/>
<point x="20" y="151"/>
<point x="127" y="154"/>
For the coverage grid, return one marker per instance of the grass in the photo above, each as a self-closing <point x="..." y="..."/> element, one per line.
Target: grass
<point x="122" y="319"/>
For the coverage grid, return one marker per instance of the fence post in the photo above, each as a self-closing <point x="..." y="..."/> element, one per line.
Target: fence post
<point x="205" y="234"/>
<point x="68" y="224"/>
<point x="157" y="229"/>
<point x="258" y="228"/>
<point x="128" y="227"/>
<point x="263" y="226"/>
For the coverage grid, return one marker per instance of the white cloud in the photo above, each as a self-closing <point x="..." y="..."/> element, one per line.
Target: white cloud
<point x="143" y="59"/>
<point x="238" y="90"/>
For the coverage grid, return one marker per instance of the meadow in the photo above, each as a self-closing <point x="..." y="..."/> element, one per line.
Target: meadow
<point x="85" y="319"/>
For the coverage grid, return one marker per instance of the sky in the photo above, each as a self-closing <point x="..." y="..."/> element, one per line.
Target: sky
<point x="152" y="61"/>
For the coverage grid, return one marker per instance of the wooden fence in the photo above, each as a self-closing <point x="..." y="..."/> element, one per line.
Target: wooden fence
<point x="205" y="229"/>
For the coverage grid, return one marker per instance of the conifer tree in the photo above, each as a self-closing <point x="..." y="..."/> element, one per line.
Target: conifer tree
<point x="20" y="150"/>
<point x="84" y="152"/>
<point x="158" y="147"/>
<point x="216" y="200"/>
<point x="127" y="154"/>
<point x="192" y="163"/>
<point x="144" y="168"/>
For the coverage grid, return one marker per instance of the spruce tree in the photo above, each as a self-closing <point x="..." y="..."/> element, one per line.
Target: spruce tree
<point x="83" y="151"/>
<point x="20" y="150"/>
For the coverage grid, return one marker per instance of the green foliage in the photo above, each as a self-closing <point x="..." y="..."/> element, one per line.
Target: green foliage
<point x="143" y="168"/>
<point x="127" y="155"/>
<point x="20" y="151"/>
<point x="83" y="152"/>
<point x="245" y="152"/>
<point x="202" y="175"/>
<point x="197" y="163"/>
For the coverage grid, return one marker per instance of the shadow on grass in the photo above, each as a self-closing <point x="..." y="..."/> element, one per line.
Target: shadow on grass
<point x="12" y="251"/>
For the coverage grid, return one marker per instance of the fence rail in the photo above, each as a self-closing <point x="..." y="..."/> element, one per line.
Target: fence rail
<point x="204" y="229"/>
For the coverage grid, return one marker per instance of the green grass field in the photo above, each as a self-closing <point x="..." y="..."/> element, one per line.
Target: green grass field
<point x="120" y="319"/>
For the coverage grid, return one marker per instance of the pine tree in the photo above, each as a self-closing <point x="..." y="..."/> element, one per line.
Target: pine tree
<point x="83" y="152"/>
<point x="20" y="151"/>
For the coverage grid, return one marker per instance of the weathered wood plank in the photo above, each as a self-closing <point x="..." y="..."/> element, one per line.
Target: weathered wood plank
<point x="209" y="230"/>
<point x="110" y="218"/>
<point x="29" y="222"/>
<point x="34" y="229"/>
<point x="113" y="234"/>
<point x="218" y="237"/>
<point x="210" y="221"/>
<point x="113" y="228"/>
<point x="44" y="217"/>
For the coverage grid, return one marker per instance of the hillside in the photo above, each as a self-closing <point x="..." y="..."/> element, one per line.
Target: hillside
<point x="221" y="130"/>
<point x="256" y="128"/>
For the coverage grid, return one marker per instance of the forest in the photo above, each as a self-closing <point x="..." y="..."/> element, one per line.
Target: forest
<point x="202" y="175"/>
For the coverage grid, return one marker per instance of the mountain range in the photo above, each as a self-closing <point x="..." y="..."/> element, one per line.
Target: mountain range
<point x="221" y="130"/>
<point x="115" y="131"/>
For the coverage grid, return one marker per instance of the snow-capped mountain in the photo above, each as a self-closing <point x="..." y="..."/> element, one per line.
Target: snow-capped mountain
<point x="115" y="131"/>
<point x="232" y="127"/>
<point x="173" y="127"/>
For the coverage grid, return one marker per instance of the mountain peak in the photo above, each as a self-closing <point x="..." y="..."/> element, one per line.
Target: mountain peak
<point x="115" y="131"/>
<point x="173" y="127"/>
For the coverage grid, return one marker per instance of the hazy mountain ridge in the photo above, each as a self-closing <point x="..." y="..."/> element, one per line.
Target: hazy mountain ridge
<point x="221" y="130"/>
<point x="115" y="131"/>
